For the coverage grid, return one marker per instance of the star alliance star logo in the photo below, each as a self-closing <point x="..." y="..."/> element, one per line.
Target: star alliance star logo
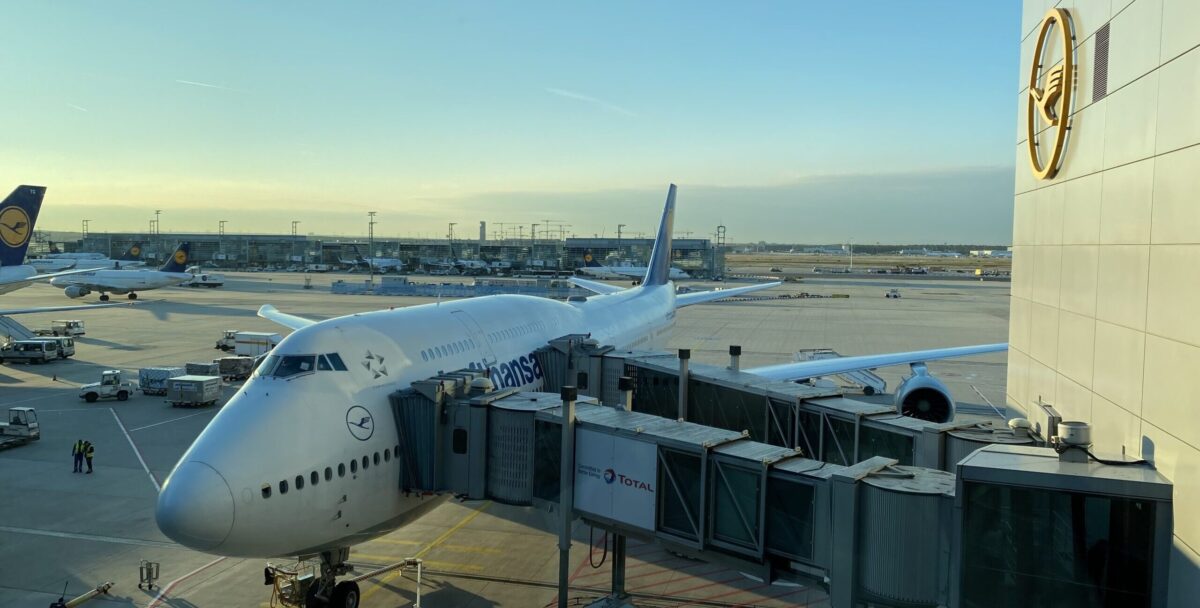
<point x="374" y="363"/>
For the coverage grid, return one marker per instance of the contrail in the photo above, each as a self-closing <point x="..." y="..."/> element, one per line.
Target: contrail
<point x="80" y="108"/>
<point x="588" y="99"/>
<point x="206" y="85"/>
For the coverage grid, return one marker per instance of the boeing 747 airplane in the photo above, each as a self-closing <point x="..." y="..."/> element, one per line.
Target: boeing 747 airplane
<point x="229" y="494"/>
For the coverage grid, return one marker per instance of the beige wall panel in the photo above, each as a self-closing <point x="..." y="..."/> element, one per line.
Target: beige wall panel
<point x="1081" y="210"/>
<point x="1041" y="383"/>
<point x="1121" y="284"/>
<point x="1129" y="121"/>
<point x="1024" y="182"/>
<point x="1018" y="380"/>
<point x="1043" y="334"/>
<point x="1169" y="396"/>
<point x="1180" y="27"/>
<point x="1178" y="98"/>
<point x="1022" y="271"/>
<point x="1117" y="372"/>
<point x="1019" y="323"/>
<point x="1072" y="401"/>
<point x="1085" y="150"/>
<point x="1048" y="214"/>
<point x="1024" y="217"/>
<point x="1114" y="429"/>
<point x="1078" y="279"/>
<point x="1084" y="78"/>
<point x="1088" y="16"/>
<point x="1173" y="309"/>
<point x="1134" y="42"/>
<point x="1125" y="205"/>
<point x="1047" y="272"/>
<point x="1180" y="463"/>
<point x="1176" y="217"/>
<point x="1184" y="586"/>
<point x="1076" y="347"/>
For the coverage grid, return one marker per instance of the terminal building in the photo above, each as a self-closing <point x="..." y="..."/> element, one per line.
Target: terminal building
<point x="1106" y="238"/>
<point x="701" y="258"/>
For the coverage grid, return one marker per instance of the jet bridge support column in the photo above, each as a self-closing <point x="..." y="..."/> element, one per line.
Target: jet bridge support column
<point x="566" y="494"/>
<point x="618" y="566"/>
<point x="684" y="355"/>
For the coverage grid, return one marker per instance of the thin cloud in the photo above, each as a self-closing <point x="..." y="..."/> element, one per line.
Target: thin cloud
<point x="193" y="83"/>
<point x="75" y="107"/>
<point x="612" y="107"/>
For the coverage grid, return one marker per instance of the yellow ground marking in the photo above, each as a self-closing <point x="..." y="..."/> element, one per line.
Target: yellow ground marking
<point x="470" y="549"/>
<point x="391" y="559"/>
<point x="397" y="542"/>
<point x="437" y="541"/>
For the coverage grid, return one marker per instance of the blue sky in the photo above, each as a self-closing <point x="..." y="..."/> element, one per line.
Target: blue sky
<point x="438" y="112"/>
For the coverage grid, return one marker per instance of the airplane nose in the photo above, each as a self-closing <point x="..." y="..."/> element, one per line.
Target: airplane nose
<point x="195" y="507"/>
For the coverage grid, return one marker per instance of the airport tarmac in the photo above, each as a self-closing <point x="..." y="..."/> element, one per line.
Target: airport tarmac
<point x="57" y="527"/>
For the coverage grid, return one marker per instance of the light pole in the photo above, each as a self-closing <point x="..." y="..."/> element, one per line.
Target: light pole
<point x="221" y="240"/>
<point x="294" y="224"/>
<point x="533" y="241"/>
<point x="157" y="226"/>
<point x="85" y="229"/>
<point x="619" y="251"/>
<point x="450" y="240"/>
<point x="371" y="244"/>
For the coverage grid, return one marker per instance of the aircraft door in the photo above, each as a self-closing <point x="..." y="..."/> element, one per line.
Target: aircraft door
<point x="484" y="352"/>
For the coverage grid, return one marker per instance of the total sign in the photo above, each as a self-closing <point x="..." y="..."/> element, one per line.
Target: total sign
<point x="615" y="478"/>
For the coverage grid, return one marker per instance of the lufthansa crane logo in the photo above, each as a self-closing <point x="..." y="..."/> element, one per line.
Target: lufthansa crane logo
<point x="1047" y="115"/>
<point x="135" y="250"/>
<point x="360" y="423"/>
<point x="180" y="257"/>
<point x="14" y="226"/>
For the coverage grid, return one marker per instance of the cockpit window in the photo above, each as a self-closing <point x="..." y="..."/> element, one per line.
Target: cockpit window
<point x="291" y="365"/>
<point x="323" y="364"/>
<point x="336" y="361"/>
<point x="268" y="366"/>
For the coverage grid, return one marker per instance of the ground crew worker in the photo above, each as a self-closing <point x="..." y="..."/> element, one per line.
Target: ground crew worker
<point x="89" y="450"/>
<point x="77" y="453"/>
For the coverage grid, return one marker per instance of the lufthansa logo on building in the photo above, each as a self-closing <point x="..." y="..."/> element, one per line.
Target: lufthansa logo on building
<point x="1048" y="110"/>
<point x="14" y="226"/>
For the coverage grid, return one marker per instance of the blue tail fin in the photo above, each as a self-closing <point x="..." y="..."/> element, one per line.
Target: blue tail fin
<point x="18" y="213"/>
<point x="133" y="254"/>
<point x="179" y="260"/>
<point x="658" y="272"/>
<point x="590" y="262"/>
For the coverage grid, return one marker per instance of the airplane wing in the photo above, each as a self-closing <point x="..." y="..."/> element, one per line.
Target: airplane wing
<point x="48" y="276"/>
<point x="271" y="313"/>
<point x="22" y="311"/>
<point x="687" y="299"/>
<point x="825" y="367"/>
<point x="595" y="286"/>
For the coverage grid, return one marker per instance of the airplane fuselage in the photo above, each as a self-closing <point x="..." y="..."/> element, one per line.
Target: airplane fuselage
<point x="122" y="281"/>
<point x="335" y="425"/>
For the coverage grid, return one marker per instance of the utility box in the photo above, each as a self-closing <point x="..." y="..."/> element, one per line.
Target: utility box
<point x="153" y="380"/>
<point x="192" y="391"/>
<point x="1035" y="529"/>
<point x="254" y="343"/>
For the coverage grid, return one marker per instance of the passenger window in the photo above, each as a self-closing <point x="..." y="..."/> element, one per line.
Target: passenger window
<point x="387" y="455"/>
<point x="299" y="482"/>
<point x="283" y="487"/>
<point x="328" y="474"/>
<point x="313" y="478"/>
<point x="266" y="490"/>
<point x="460" y="441"/>
<point x="396" y="451"/>
<point x="341" y="469"/>
<point x="292" y="365"/>
<point x="336" y="361"/>
<point x="353" y="466"/>
<point x="376" y="458"/>
<point x="366" y="463"/>
<point x="323" y="364"/>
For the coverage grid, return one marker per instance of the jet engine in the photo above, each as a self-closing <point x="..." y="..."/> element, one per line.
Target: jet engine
<point x="76" y="291"/>
<point x="925" y="397"/>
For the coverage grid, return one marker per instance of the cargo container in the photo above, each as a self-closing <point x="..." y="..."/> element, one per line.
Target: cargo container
<point x="203" y="369"/>
<point x="191" y="391"/>
<point x="153" y="380"/>
<point x="236" y="368"/>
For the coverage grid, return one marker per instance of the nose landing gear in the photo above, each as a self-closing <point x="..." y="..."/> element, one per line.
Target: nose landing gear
<point x="312" y="589"/>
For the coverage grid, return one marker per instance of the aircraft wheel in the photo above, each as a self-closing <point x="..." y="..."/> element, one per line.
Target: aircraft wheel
<point x="103" y="297"/>
<point x="132" y="296"/>
<point x="310" y="597"/>
<point x="345" y="595"/>
<point x="91" y="397"/>
<point x="122" y="396"/>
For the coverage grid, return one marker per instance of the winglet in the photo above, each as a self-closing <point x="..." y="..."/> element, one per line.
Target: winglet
<point x="271" y="313"/>
<point x="658" y="271"/>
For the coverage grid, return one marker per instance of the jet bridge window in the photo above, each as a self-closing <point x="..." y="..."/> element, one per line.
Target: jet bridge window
<point x="292" y="365"/>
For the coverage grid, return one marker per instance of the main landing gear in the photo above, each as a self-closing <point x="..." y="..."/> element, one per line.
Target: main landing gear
<point x="321" y="591"/>
<point x="103" y="297"/>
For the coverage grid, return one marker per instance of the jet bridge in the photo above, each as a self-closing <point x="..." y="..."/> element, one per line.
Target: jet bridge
<point x="817" y="486"/>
